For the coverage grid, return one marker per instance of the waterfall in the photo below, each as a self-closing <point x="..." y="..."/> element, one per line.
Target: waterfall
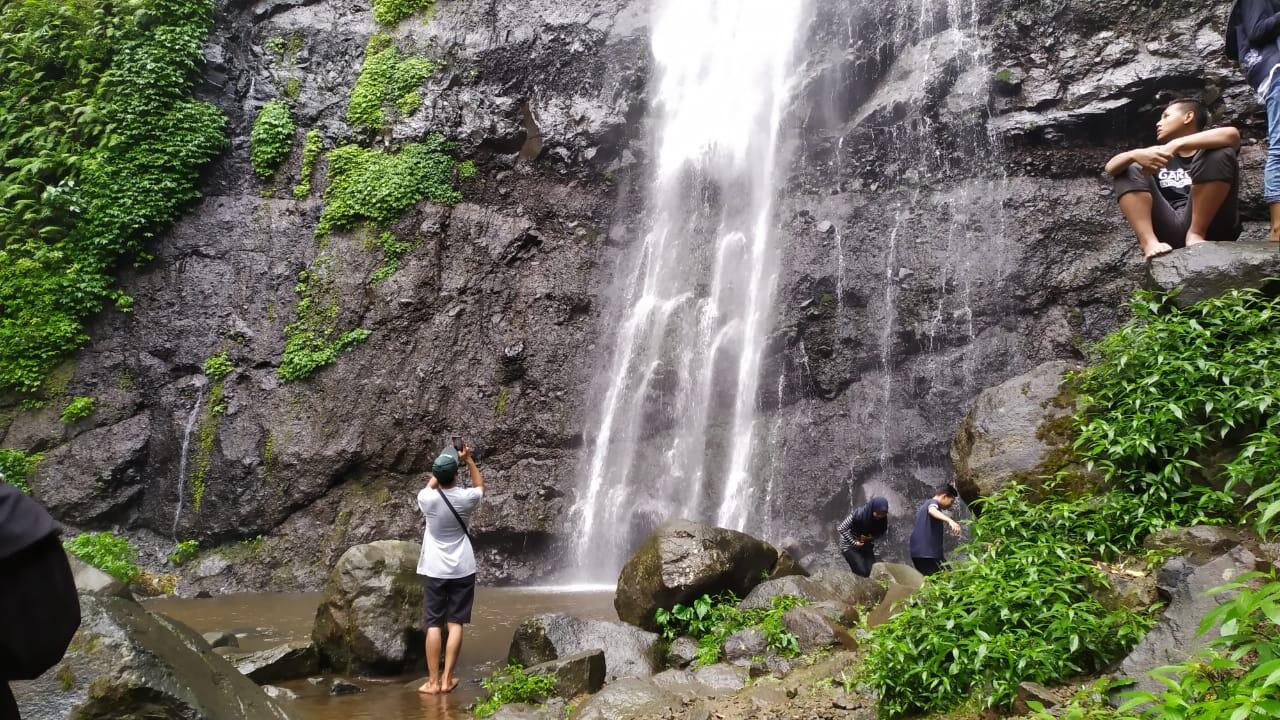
<point x="677" y="424"/>
<point x="182" y="456"/>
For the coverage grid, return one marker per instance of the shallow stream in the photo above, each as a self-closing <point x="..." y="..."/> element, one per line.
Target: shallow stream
<point x="262" y="620"/>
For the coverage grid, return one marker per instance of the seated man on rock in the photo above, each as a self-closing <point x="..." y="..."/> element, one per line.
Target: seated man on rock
<point x="1183" y="191"/>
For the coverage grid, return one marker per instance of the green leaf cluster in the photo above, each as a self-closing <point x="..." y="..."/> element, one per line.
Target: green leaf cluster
<point x="312" y="341"/>
<point x="391" y="12"/>
<point x="108" y="552"/>
<point x="387" y="80"/>
<point x="218" y="367"/>
<point x="16" y="467"/>
<point x="78" y="408"/>
<point x="101" y="145"/>
<point x="712" y="619"/>
<point x="184" y="552"/>
<point x="377" y="185"/>
<point x="311" y="149"/>
<point x="271" y="138"/>
<point x="393" y="249"/>
<point x="512" y="685"/>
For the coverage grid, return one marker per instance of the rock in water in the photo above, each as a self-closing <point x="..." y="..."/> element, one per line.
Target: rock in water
<point x="681" y="561"/>
<point x="221" y="639"/>
<point x="575" y="674"/>
<point x="1212" y="269"/>
<point x="1008" y="436"/>
<point x="370" y="619"/>
<point x="282" y="662"/>
<point x="628" y="651"/>
<point x="126" y="662"/>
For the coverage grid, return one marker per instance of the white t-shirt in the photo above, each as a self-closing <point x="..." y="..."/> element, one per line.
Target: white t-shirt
<point x="446" y="551"/>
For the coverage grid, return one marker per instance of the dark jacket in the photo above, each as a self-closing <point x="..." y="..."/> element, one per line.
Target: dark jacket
<point x="1252" y="29"/>
<point x="862" y="522"/>
<point x="23" y="522"/>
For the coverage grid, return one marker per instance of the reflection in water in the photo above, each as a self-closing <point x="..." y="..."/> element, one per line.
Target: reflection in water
<point x="262" y="620"/>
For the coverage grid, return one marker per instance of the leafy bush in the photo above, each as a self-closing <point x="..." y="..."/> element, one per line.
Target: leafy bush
<point x="391" y="12"/>
<point x="386" y="80"/>
<point x="378" y="186"/>
<point x="185" y="551"/>
<point x="271" y="138"/>
<point x="218" y="367"/>
<point x="100" y="147"/>
<point x="311" y="150"/>
<point x="16" y="466"/>
<point x="711" y="620"/>
<point x="112" y="554"/>
<point x="512" y="685"/>
<point x="312" y="341"/>
<point x="78" y="408"/>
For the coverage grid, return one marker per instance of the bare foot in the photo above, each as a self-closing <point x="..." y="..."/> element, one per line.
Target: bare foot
<point x="1193" y="239"/>
<point x="429" y="688"/>
<point x="1274" y="236"/>
<point x="1155" y="250"/>
<point x="449" y="686"/>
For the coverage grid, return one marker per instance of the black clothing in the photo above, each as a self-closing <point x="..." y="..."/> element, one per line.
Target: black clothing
<point x="860" y="559"/>
<point x="862" y="521"/>
<point x="447" y="600"/>
<point x="1253" y="27"/>
<point x="23" y="522"/>
<point x="1170" y="191"/>
<point x="926" y="533"/>
<point x="927" y="566"/>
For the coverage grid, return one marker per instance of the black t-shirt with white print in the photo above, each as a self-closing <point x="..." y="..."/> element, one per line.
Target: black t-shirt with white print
<point x="1175" y="182"/>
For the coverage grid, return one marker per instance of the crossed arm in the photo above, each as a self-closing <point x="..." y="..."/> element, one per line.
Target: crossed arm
<point x="1153" y="158"/>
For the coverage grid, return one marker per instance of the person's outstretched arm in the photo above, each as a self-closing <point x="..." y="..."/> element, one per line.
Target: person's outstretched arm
<point x="1223" y="137"/>
<point x="477" y="480"/>
<point x="1151" y="159"/>
<point x="936" y="512"/>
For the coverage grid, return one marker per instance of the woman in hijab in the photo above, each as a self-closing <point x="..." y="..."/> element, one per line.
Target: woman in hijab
<point x="859" y="531"/>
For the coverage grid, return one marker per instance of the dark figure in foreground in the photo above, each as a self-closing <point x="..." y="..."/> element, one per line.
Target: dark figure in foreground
<point x="926" y="534"/>
<point x="1253" y="40"/>
<point x="1181" y="192"/>
<point x="39" y="607"/>
<point x="448" y="563"/>
<point x="859" y="531"/>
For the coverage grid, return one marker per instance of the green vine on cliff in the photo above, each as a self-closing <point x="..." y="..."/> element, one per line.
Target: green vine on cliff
<point x="100" y="146"/>
<point x="387" y="80"/>
<point x="16" y="467"/>
<point x="392" y="12"/>
<point x="78" y="408"/>
<point x="312" y="341"/>
<point x="311" y="149"/>
<point x="271" y="138"/>
<point x="378" y="186"/>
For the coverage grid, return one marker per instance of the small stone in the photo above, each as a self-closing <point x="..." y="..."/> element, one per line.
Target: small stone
<point x="844" y="702"/>
<point x="682" y="653"/>
<point x="344" y="687"/>
<point x="279" y="693"/>
<point x="825" y="227"/>
<point x="221" y="639"/>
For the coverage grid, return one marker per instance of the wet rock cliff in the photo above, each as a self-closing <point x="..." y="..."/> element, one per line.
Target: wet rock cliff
<point x="944" y="220"/>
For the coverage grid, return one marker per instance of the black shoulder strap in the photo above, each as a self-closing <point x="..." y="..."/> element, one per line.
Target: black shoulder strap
<point x="456" y="516"/>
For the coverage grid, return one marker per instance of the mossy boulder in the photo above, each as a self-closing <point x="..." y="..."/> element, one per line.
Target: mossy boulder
<point x="683" y="560"/>
<point x="125" y="662"/>
<point x="370" y="619"/>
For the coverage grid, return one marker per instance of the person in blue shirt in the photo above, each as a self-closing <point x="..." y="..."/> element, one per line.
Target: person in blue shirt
<point x="1253" y="41"/>
<point x="858" y="534"/>
<point x="926" y="534"/>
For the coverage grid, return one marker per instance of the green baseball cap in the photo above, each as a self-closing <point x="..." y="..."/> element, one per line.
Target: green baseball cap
<point x="445" y="467"/>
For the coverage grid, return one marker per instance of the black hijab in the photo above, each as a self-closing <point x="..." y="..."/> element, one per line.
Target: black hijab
<point x="865" y="523"/>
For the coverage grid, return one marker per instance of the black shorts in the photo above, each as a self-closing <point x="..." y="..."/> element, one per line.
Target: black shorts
<point x="447" y="600"/>
<point x="928" y="566"/>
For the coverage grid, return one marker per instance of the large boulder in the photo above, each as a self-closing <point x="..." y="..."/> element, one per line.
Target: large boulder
<point x="628" y="698"/>
<point x="90" y="580"/>
<point x="814" y="631"/>
<point x="574" y="674"/>
<point x="1197" y="543"/>
<point x="1174" y="639"/>
<point x="628" y="651"/>
<point x="282" y="662"/>
<point x="683" y="560"/>
<point x="843" y="585"/>
<point x="828" y="600"/>
<point x="370" y="618"/>
<point x="126" y="662"/>
<point x="1212" y="269"/>
<point x="1014" y="432"/>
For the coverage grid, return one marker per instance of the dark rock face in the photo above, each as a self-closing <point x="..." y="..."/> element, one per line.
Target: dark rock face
<point x="575" y="674"/>
<point x="1197" y="544"/>
<point x="126" y="662"/>
<point x="1185" y="583"/>
<point x="370" y="619"/>
<point x="628" y="651"/>
<point x="1211" y="269"/>
<point x="1003" y="439"/>
<point x="683" y="560"/>
<point x="942" y="231"/>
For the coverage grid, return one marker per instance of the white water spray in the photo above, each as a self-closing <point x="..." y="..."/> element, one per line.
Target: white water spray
<point x="182" y="457"/>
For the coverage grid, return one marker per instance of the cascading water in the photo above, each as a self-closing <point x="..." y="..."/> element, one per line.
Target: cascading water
<point x="677" y="426"/>
<point x="182" y="456"/>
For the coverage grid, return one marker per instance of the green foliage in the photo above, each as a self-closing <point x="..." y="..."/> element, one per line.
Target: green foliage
<point x="206" y="437"/>
<point x="16" y="467"/>
<point x="112" y="554"/>
<point x="512" y="685"/>
<point x="311" y="150"/>
<point x="312" y="341"/>
<point x="271" y="138"/>
<point x="466" y="170"/>
<point x="712" y="619"/>
<point x="1174" y="387"/>
<point x="78" y="408"/>
<point x="101" y="145"/>
<point x="386" y="80"/>
<point x="218" y="367"/>
<point x="392" y="250"/>
<point x="377" y="186"/>
<point x="500" y="405"/>
<point x="391" y="12"/>
<point x="184" y="552"/>
<point x="1021" y="608"/>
